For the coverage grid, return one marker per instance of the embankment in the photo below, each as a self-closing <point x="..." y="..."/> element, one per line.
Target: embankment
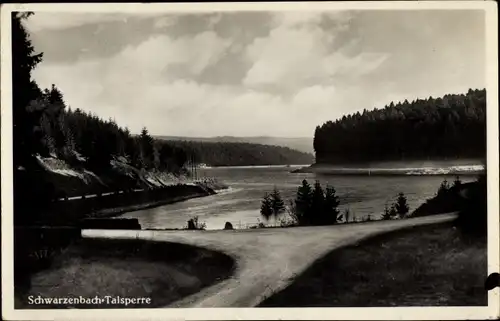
<point x="64" y="212"/>
<point x="465" y="170"/>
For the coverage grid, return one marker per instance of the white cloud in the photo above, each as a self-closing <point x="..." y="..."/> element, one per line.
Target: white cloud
<point x="297" y="52"/>
<point x="141" y="86"/>
<point x="196" y="52"/>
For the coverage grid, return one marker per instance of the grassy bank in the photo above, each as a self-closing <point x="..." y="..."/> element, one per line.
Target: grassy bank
<point x="163" y="272"/>
<point x="422" y="266"/>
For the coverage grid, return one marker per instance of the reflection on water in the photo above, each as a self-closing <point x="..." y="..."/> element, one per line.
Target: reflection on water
<point x="240" y="205"/>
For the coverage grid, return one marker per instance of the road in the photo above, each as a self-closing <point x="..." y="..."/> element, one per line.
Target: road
<point x="267" y="259"/>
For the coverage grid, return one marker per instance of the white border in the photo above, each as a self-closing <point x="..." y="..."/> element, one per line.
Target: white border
<point x="432" y="313"/>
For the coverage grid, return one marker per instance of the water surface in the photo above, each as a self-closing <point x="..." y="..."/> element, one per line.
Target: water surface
<point x="240" y="205"/>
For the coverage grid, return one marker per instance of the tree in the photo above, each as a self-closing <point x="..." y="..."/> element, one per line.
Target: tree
<point x="386" y="215"/>
<point x="393" y="213"/>
<point x="331" y="212"/>
<point x="443" y="188"/>
<point x="24" y="90"/>
<point x="318" y="204"/>
<point x="277" y="204"/>
<point x="401" y="206"/>
<point x="147" y="147"/>
<point x="303" y="203"/>
<point x="457" y="183"/>
<point x="266" y="208"/>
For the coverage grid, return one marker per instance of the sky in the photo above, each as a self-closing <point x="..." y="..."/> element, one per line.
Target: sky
<point x="254" y="73"/>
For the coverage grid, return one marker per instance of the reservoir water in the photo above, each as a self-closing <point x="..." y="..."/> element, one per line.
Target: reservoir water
<point x="240" y="204"/>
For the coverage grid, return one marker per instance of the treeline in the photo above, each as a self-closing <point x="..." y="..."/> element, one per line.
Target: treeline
<point x="314" y="206"/>
<point x="241" y="154"/>
<point x="311" y="206"/>
<point x="453" y="126"/>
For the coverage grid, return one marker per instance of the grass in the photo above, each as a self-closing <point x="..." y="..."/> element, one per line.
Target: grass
<point x="164" y="272"/>
<point x="422" y="266"/>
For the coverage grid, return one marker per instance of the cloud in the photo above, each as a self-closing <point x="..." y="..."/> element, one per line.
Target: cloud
<point x="154" y="55"/>
<point x="62" y="20"/>
<point x="283" y="77"/>
<point x="298" y="52"/>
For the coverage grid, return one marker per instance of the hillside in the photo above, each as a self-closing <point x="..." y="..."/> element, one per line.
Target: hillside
<point x="240" y="153"/>
<point x="302" y="144"/>
<point x="450" y="127"/>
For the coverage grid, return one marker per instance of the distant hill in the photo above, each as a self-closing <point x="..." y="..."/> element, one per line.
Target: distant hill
<point x="302" y="144"/>
<point x="224" y="153"/>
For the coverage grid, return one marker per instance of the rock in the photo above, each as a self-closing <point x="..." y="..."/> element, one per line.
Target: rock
<point x="228" y="226"/>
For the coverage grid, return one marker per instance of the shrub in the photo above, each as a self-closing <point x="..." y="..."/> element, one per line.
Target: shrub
<point x="194" y="224"/>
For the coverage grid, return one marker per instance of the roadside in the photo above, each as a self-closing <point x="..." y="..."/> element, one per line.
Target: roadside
<point x="422" y="266"/>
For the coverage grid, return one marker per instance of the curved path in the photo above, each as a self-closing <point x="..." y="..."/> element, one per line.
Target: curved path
<point x="267" y="259"/>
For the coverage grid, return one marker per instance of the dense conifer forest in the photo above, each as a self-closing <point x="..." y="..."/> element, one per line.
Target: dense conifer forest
<point x="450" y="127"/>
<point x="241" y="154"/>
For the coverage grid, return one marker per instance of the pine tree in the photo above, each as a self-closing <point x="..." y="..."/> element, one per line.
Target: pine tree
<point x="443" y="188"/>
<point x="146" y="143"/>
<point x="24" y="91"/>
<point x="393" y="213"/>
<point x="318" y="204"/>
<point x="386" y="215"/>
<point x="266" y="208"/>
<point x="277" y="203"/>
<point x="303" y="203"/>
<point x="457" y="183"/>
<point x="331" y="212"/>
<point x="401" y="206"/>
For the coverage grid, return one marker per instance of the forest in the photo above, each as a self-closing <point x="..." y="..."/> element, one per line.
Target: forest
<point x="241" y="154"/>
<point x="450" y="127"/>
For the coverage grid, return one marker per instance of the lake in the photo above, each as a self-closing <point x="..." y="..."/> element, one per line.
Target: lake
<point x="240" y="204"/>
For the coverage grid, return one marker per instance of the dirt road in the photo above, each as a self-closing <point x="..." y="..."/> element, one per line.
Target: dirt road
<point x="267" y="259"/>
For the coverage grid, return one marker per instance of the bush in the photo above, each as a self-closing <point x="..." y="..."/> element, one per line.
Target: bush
<point x="194" y="224"/>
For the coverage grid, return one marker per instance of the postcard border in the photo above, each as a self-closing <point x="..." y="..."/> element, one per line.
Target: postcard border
<point x="403" y="313"/>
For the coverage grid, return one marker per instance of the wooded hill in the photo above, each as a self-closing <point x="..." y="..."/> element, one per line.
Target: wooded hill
<point x="450" y="127"/>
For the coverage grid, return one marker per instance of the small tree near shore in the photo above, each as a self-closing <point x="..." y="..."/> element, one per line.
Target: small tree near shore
<point x="401" y="206"/>
<point x="331" y="213"/>
<point x="386" y="215"/>
<point x="277" y="204"/>
<point x="266" y="208"/>
<point x="303" y="203"/>
<point x="444" y="188"/>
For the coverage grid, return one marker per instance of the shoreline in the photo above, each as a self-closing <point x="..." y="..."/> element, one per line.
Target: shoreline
<point x="116" y="212"/>
<point x="116" y="204"/>
<point x="461" y="170"/>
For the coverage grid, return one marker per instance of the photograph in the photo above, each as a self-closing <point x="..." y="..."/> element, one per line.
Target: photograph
<point x="250" y="157"/>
